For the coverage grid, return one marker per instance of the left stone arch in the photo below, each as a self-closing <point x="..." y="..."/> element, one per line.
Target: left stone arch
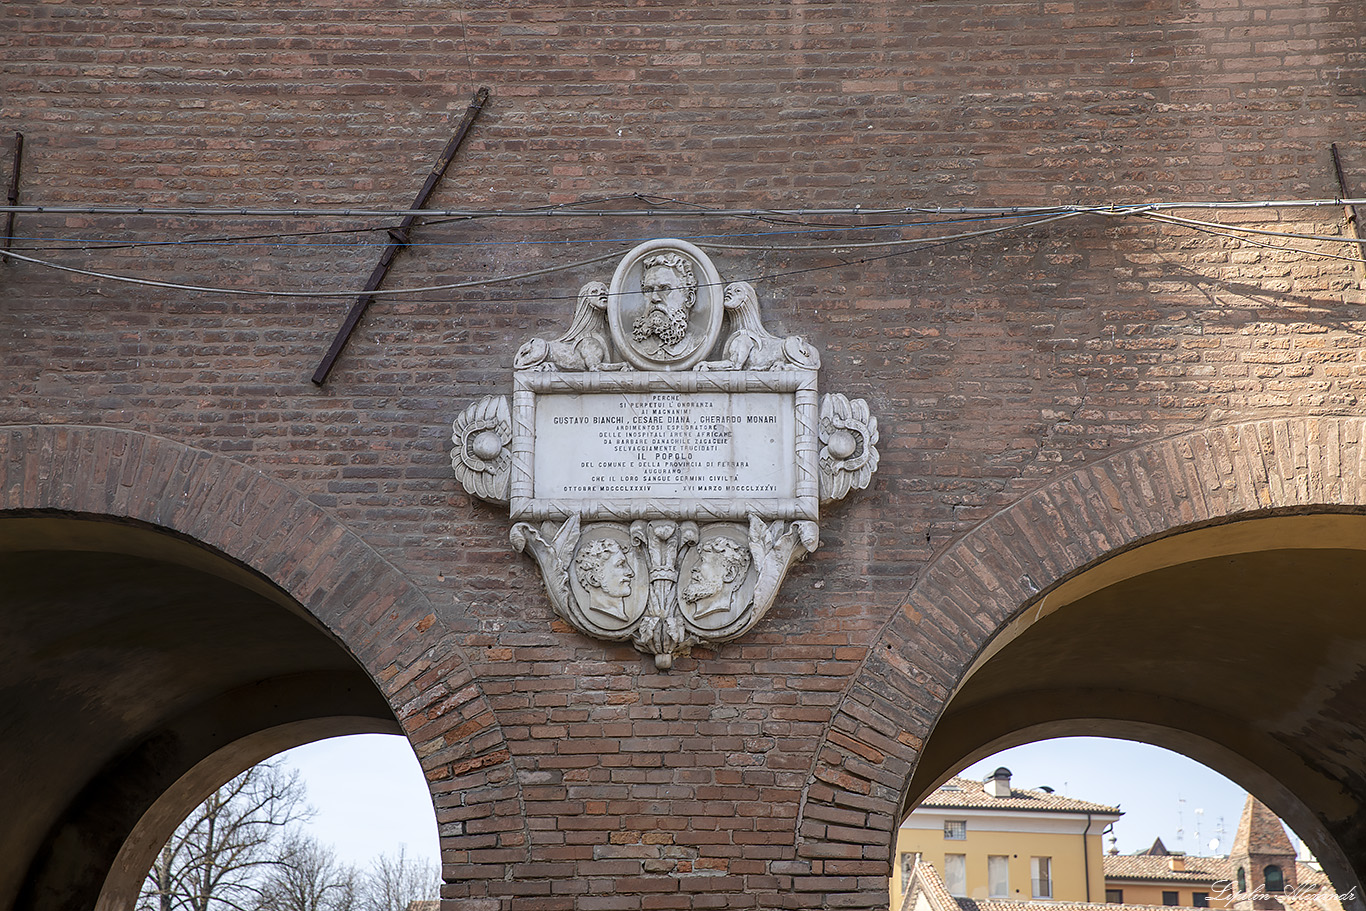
<point x="137" y="496"/>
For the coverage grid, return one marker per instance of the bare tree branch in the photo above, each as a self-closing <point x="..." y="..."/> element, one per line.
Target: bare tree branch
<point x="396" y="882"/>
<point x="216" y="858"/>
<point x="239" y="851"/>
<point x="307" y="877"/>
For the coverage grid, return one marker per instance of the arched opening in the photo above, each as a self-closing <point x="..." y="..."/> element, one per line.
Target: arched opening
<point x="343" y="822"/>
<point x="142" y="670"/>
<point x="1120" y="822"/>
<point x="1240" y="645"/>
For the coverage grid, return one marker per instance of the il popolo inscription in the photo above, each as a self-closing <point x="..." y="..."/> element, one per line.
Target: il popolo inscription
<point x="702" y="445"/>
<point x="664" y="495"/>
<point x="666" y="444"/>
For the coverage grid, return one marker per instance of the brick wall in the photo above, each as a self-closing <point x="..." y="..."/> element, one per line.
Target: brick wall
<point x="995" y="365"/>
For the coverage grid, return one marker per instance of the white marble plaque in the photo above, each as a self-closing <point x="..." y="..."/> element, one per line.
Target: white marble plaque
<point x="683" y="445"/>
<point x="701" y="445"/>
<point x="665" y="504"/>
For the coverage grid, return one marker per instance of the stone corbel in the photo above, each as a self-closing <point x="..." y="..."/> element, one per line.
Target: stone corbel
<point x="666" y="586"/>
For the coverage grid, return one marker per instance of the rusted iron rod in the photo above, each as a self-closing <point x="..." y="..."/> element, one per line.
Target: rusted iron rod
<point x="1351" y="212"/>
<point x="13" y="191"/>
<point x="399" y="238"/>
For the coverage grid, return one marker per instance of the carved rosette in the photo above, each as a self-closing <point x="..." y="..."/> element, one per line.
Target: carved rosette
<point x="650" y="560"/>
<point x="848" y="434"/>
<point x="481" y="459"/>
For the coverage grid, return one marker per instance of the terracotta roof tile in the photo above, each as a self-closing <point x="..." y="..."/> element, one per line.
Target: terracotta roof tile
<point x="1157" y="868"/>
<point x="930" y="882"/>
<point x="966" y="794"/>
<point x="927" y="880"/>
<point x="1260" y="831"/>
<point x="1198" y="870"/>
<point x="1324" y="899"/>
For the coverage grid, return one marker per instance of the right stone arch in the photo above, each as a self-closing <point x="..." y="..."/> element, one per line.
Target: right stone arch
<point x="1205" y="593"/>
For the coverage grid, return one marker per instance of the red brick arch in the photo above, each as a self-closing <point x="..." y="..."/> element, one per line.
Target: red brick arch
<point x="386" y="622"/>
<point x="974" y="588"/>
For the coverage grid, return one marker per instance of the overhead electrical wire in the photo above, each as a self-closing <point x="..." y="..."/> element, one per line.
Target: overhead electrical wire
<point x="266" y="240"/>
<point x="566" y="210"/>
<point x="1218" y="230"/>
<point x="1196" y="223"/>
<point x="253" y="292"/>
<point x="659" y="207"/>
<point x="1040" y="216"/>
<point x="657" y="202"/>
<point x="911" y="243"/>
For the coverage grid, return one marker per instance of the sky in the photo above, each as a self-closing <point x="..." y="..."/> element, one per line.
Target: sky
<point x="370" y="797"/>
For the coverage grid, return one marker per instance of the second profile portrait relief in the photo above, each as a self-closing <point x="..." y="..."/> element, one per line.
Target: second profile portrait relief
<point x="609" y="578"/>
<point x="715" y="584"/>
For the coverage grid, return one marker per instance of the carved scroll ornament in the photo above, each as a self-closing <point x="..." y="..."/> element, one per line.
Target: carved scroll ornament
<point x="665" y="505"/>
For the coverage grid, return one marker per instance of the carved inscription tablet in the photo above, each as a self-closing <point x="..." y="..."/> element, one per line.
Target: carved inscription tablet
<point x="623" y="445"/>
<point x="632" y="445"/>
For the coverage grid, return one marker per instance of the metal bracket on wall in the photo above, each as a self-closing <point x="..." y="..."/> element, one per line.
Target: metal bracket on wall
<point x="13" y="191"/>
<point x="1353" y="225"/>
<point x="399" y="238"/>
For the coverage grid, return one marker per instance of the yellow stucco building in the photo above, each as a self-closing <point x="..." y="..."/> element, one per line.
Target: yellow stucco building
<point x="984" y="846"/>
<point x="990" y="840"/>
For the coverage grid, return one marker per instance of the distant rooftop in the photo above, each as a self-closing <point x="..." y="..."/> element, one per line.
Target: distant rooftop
<point x="1157" y="869"/>
<point x="1316" y="894"/>
<point x="964" y="793"/>
<point x="1006" y="904"/>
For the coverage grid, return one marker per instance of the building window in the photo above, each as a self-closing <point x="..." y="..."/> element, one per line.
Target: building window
<point x="998" y="876"/>
<point x="1114" y="896"/>
<point x="956" y="874"/>
<point x="1171" y="899"/>
<point x="1242" y="880"/>
<point x="1200" y="899"/>
<point x="1041" y="877"/>
<point x="1274" y="879"/>
<point x="956" y="829"/>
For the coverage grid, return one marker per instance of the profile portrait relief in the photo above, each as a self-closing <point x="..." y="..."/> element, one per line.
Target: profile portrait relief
<point x="713" y="588"/>
<point x="604" y="569"/>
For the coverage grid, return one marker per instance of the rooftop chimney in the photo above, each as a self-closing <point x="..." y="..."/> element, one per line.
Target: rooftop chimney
<point x="998" y="785"/>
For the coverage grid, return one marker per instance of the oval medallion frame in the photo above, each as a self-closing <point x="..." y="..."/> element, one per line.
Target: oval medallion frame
<point x="727" y="611"/>
<point x="596" y="606"/>
<point x="627" y="308"/>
